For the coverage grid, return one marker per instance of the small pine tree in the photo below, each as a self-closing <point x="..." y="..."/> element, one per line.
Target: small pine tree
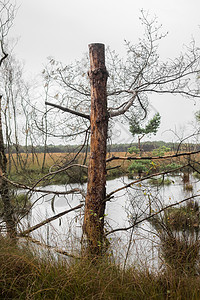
<point x="150" y="128"/>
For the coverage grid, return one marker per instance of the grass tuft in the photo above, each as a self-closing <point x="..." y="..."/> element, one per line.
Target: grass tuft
<point x="25" y="276"/>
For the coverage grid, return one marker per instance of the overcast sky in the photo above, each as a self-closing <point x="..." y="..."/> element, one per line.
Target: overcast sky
<point x="64" y="28"/>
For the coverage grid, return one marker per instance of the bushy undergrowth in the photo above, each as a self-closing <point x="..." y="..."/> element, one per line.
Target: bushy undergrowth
<point x="146" y="167"/>
<point x="25" y="276"/>
<point x="178" y="229"/>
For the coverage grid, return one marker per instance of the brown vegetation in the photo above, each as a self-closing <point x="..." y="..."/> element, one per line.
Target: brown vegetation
<point x="24" y="276"/>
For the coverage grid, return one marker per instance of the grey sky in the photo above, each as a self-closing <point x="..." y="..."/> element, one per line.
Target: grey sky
<point x="64" y="28"/>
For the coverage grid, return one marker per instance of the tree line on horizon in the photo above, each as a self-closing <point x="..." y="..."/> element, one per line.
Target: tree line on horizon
<point x="147" y="146"/>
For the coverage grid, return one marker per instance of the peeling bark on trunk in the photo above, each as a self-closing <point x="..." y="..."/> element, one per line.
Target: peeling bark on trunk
<point x="4" y="191"/>
<point x="96" y="189"/>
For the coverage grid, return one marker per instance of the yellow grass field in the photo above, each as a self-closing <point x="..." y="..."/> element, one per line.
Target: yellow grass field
<point x="34" y="162"/>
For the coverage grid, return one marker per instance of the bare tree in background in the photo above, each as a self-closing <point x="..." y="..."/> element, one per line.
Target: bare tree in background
<point x="16" y="96"/>
<point x="7" y="14"/>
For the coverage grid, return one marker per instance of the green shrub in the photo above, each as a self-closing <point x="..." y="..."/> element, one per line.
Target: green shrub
<point x="160" y="181"/>
<point x="160" y="151"/>
<point x="133" y="149"/>
<point x="142" y="166"/>
<point x="169" y="167"/>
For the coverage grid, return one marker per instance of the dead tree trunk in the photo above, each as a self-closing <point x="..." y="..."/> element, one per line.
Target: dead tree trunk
<point x="8" y="213"/>
<point x="96" y="189"/>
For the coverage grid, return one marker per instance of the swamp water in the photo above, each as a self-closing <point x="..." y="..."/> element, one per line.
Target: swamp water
<point x="137" y="245"/>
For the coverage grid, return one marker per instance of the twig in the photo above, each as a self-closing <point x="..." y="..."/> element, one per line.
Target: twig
<point x="26" y="187"/>
<point x="151" y="216"/>
<point x="24" y="233"/>
<point x="142" y="179"/>
<point x="57" y="172"/>
<point x="151" y="157"/>
<point x="68" y="110"/>
<point x="111" y="168"/>
<point x="63" y="252"/>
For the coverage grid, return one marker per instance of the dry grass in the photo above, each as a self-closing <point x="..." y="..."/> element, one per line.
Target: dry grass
<point x="30" y="168"/>
<point x="53" y="160"/>
<point x="25" y="276"/>
<point x="33" y="161"/>
<point x="36" y="160"/>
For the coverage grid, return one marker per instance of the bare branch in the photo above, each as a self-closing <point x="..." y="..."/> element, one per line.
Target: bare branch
<point x="42" y="178"/>
<point x="125" y="107"/>
<point x="49" y="220"/>
<point x="142" y="179"/>
<point x="59" y="135"/>
<point x="56" y="172"/>
<point x="68" y="110"/>
<point x="5" y="55"/>
<point x="26" y="187"/>
<point x="63" y="252"/>
<point x="73" y="87"/>
<point x="7" y="15"/>
<point x="185" y="93"/>
<point x="151" y="157"/>
<point x="151" y="216"/>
